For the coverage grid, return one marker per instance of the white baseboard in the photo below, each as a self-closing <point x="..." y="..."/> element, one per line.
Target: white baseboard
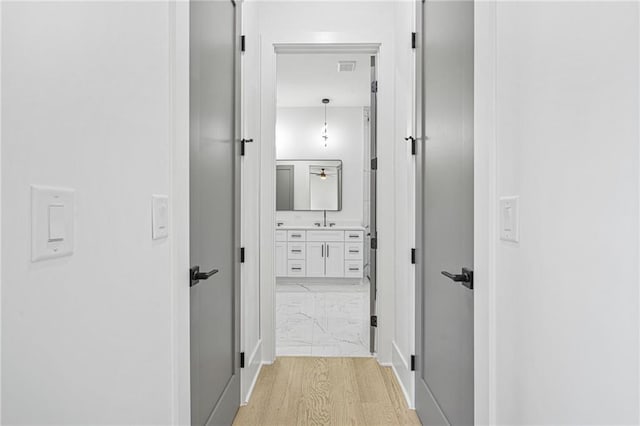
<point x="406" y="377"/>
<point x="249" y="374"/>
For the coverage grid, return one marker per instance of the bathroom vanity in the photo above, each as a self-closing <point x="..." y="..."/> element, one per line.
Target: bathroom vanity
<point x="312" y="252"/>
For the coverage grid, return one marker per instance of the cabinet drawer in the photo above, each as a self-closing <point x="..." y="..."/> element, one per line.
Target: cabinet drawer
<point x="296" y="251"/>
<point x="325" y="235"/>
<point x="281" y="235"/>
<point x="353" y="251"/>
<point x="295" y="268"/>
<point x="350" y="236"/>
<point x="353" y="269"/>
<point x="296" y="236"/>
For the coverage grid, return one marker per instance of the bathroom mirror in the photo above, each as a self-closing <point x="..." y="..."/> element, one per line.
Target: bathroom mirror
<point x="308" y="185"/>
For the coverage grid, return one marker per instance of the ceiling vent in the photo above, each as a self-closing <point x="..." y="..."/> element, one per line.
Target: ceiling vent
<point x="346" y="66"/>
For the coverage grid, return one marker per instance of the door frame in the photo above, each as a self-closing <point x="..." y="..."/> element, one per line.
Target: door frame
<point x="485" y="221"/>
<point x="178" y="128"/>
<point x="272" y="45"/>
<point x="485" y="204"/>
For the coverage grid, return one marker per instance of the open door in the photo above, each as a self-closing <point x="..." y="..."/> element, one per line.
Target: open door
<point x="214" y="213"/>
<point x="444" y="201"/>
<point x="373" y="237"/>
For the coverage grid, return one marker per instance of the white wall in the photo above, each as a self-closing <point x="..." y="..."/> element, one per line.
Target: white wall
<point x="561" y="110"/>
<point x="89" y="95"/>
<point x="298" y="137"/>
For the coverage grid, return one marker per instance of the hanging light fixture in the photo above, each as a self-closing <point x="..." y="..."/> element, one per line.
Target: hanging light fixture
<point x="323" y="175"/>
<point x="325" y="130"/>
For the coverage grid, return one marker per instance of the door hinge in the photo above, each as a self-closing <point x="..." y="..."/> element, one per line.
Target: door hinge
<point x="413" y="144"/>
<point x="243" y="43"/>
<point x="374" y="163"/>
<point x="374" y="87"/>
<point x="241" y="254"/>
<point x="413" y="40"/>
<point x="374" y="320"/>
<point x="413" y="256"/>
<point x="241" y="359"/>
<point x="374" y="243"/>
<point x="413" y="363"/>
<point x="243" y="142"/>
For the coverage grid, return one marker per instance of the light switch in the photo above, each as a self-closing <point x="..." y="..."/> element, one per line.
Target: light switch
<point x="160" y="216"/>
<point x="52" y="216"/>
<point x="56" y="222"/>
<point x="509" y="219"/>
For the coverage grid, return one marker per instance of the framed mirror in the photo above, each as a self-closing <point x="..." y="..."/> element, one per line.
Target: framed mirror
<point x="308" y="185"/>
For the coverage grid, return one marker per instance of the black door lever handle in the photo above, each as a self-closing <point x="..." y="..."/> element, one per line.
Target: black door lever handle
<point x="466" y="278"/>
<point x="196" y="275"/>
<point x="413" y="144"/>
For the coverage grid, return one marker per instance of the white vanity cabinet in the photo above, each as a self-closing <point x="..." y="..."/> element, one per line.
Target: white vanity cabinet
<point x="320" y="253"/>
<point x="315" y="259"/>
<point x="334" y="260"/>
<point x="281" y="254"/>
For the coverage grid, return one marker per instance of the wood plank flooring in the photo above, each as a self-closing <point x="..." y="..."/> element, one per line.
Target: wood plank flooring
<point x="326" y="391"/>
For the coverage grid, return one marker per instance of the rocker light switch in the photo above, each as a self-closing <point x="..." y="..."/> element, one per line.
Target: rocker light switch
<point x="509" y="219"/>
<point x="52" y="216"/>
<point x="160" y="216"/>
<point x="56" y="222"/>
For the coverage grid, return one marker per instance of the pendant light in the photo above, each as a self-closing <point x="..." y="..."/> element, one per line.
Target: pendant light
<point x="325" y="130"/>
<point x="323" y="175"/>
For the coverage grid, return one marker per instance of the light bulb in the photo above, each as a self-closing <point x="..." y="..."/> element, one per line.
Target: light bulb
<point x="325" y="134"/>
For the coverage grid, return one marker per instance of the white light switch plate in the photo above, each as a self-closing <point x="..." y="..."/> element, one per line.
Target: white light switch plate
<point x="160" y="216"/>
<point x="510" y="219"/>
<point x="52" y="217"/>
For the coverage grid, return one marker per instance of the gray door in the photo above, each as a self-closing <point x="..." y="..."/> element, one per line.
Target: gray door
<point x="214" y="211"/>
<point x="444" y="302"/>
<point x="373" y="240"/>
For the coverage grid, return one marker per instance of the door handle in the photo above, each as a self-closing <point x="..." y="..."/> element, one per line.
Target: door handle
<point x="465" y="278"/>
<point x="196" y="275"/>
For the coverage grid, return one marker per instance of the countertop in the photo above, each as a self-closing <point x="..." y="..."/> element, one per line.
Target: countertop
<point x="321" y="228"/>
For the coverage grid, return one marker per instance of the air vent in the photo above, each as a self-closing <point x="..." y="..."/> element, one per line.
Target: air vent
<point x="346" y="66"/>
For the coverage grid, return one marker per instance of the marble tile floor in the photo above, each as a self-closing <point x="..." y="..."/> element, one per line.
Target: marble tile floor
<point x="322" y="319"/>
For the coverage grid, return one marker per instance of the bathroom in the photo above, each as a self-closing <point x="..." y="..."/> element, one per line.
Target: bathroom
<point x="324" y="299"/>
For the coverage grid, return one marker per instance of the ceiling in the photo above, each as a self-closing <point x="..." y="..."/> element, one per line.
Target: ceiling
<point x="304" y="79"/>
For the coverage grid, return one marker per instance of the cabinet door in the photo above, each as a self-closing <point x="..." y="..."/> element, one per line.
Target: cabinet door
<point x="334" y="260"/>
<point x="315" y="259"/>
<point x="281" y="259"/>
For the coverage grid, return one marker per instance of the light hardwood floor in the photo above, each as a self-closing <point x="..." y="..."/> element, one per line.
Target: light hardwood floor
<point x="326" y="391"/>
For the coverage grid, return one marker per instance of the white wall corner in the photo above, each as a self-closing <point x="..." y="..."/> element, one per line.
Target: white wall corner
<point x="1" y="142"/>
<point x="638" y="209"/>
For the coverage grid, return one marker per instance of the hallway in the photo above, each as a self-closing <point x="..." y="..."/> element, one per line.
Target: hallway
<point x="326" y="391"/>
<point x="268" y="212"/>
